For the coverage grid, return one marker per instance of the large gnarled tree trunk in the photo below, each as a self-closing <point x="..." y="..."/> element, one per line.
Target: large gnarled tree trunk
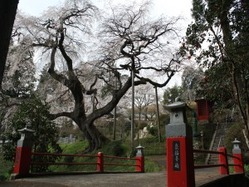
<point x="78" y="115"/>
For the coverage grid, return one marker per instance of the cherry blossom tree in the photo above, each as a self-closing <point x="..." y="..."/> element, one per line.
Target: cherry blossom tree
<point x="127" y="46"/>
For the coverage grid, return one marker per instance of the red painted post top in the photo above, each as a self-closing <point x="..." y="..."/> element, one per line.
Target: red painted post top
<point x="100" y="162"/>
<point x="139" y="159"/>
<point x="180" y="163"/>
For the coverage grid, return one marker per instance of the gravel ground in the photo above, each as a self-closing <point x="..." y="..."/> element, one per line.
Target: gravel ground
<point x="157" y="179"/>
<point x="106" y="180"/>
<point x="96" y="180"/>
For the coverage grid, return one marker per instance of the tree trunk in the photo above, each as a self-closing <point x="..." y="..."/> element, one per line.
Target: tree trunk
<point x="91" y="133"/>
<point x="7" y="17"/>
<point x="158" y="116"/>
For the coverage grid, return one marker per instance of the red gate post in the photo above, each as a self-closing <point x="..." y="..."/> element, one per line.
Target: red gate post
<point x="140" y="159"/>
<point x="224" y="169"/>
<point x="23" y="153"/>
<point x="100" y="162"/>
<point x="179" y="142"/>
<point x="237" y="157"/>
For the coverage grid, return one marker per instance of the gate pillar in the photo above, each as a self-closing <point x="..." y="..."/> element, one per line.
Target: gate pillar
<point x="23" y="153"/>
<point x="179" y="144"/>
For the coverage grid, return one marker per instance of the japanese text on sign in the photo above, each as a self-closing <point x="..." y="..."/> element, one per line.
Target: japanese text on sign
<point x="176" y="156"/>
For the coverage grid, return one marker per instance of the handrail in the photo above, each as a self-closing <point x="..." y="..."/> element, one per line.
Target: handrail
<point x="139" y="164"/>
<point x="208" y="166"/>
<point x="63" y="163"/>
<point x="62" y="154"/>
<point x="119" y="158"/>
<point x="216" y="165"/>
<point x="118" y="164"/>
<point x="205" y="151"/>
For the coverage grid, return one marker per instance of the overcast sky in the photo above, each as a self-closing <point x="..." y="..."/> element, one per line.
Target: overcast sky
<point x="166" y="7"/>
<point x="177" y="8"/>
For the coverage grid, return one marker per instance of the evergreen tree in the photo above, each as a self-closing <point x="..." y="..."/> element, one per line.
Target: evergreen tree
<point x="33" y="114"/>
<point x="218" y="40"/>
<point x="170" y="94"/>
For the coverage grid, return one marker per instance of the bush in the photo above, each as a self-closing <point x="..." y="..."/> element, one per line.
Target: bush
<point x="246" y="170"/>
<point x="208" y="130"/>
<point x="152" y="146"/>
<point x="115" y="148"/>
<point x="74" y="148"/>
<point x="152" y="130"/>
<point x="142" y="125"/>
<point x="34" y="114"/>
<point x="151" y="166"/>
<point x="5" y="169"/>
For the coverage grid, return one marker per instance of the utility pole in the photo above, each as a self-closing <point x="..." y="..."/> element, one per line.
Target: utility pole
<point x="114" y="123"/>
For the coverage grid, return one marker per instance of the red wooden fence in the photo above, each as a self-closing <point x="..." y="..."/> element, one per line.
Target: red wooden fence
<point x="24" y="158"/>
<point x="100" y="161"/>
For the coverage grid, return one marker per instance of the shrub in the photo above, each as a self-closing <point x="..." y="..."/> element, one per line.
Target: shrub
<point x="235" y="131"/>
<point x="116" y="148"/>
<point x="152" y="130"/>
<point x="34" y="114"/>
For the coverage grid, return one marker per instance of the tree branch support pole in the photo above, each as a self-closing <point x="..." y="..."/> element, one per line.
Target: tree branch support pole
<point x="115" y="113"/>
<point x="180" y="163"/>
<point x="157" y="116"/>
<point x="132" y="110"/>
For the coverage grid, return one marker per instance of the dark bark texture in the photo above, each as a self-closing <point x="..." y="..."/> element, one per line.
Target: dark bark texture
<point x="7" y="16"/>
